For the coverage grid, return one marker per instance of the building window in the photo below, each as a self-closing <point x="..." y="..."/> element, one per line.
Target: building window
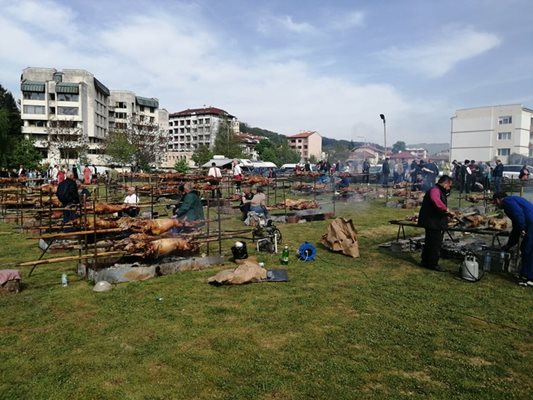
<point x="68" y="97"/>
<point x="33" y="95"/>
<point x="504" y="135"/>
<point x="504" y="152"/>
<point x="505" y="120"/>
<point x="67" y="110"/>
<point x="52" y="96"/>
<point x="33" y="109"/>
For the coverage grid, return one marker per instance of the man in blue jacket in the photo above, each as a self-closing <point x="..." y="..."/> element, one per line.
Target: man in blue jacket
<point x="520" y="211"/>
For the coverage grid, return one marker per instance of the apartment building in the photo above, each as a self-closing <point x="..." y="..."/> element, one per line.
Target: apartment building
<point x="191" y="128"/>
<point x="488" y="133"/>
<point x="63" y="109"/>
<point x="308" y="143"/>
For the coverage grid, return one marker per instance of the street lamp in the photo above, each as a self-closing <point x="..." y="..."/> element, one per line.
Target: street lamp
<point x="382" y="116"/>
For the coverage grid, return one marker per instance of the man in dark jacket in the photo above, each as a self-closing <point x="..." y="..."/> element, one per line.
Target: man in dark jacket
<point x="520" y="211"/>
<point x="497" y="175"/>
<point x="67" y="193"/>
<point x="433" y="217"/>
<point x="191" y="209"/>
<point x="385" y="171"/>
<point x="366" y="171"/>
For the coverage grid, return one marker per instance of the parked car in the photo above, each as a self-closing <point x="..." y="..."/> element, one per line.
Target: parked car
<point x="375" y="174"/>
<point x="512" y="171"/>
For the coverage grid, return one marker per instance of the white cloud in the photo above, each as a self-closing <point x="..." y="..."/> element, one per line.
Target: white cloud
<point x="284" y="23"/>
<point x="44" y="16"/>
<point x="438" y="57"/>
<point x="350" y="20"/>
<point x="180" y="59"/>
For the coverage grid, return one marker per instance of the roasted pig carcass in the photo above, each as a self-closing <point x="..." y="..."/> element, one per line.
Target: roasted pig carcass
<point x="47" y="188"/>
<point x="257" y="180"/>
<point x="101" y="223"/>
<point x="475" y="221"/>
<point x="50" y="200"/>
<point x="499" y="224"/>
<point x="152" y="226"/>
<point x="475" y="198"/>
<point x="159" y="248"/>
<point x="105" y="208"/>
<point x="301" y="204"/>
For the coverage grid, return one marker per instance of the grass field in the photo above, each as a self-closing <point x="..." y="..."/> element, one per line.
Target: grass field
<point x="375" y="327"/>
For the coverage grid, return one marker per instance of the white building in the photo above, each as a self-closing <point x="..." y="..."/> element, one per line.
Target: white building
<point x="59" y="108"/>
<point x="191" y="128"/>
<point x="488" y="133"/>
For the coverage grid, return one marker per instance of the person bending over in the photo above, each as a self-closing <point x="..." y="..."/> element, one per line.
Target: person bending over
<point x="520" y="212"/>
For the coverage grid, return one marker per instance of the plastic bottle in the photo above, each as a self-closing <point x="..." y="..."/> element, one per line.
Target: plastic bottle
<point x="487" y="261"/>
<point x="503" y="260"/>
<point x="285" y="256"/>
<point x="64" y="280"/>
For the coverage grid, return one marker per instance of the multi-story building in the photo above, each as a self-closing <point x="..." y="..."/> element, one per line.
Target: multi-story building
<point x="488" y="133"/>
<point x="69" y="109"/>
<point x="62" y="107"/>
<point x="307" y="143"/>
<point x="191" y="128"/>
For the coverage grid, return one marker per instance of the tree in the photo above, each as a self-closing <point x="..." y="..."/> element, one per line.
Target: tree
<point x="181" y="166"/>
<point x="398" y="146"/>
<point x="202" y="154"/>
<point x="10" y="126"/>
<point x="119" y="148"/>
<point x="227" y="142"/>
<point x="66" y="140"/>
<point x="144" y="144"/>
<point x="25" y="153"/>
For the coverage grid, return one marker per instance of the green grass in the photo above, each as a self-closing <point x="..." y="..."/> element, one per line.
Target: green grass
<point x="375" y="327"/>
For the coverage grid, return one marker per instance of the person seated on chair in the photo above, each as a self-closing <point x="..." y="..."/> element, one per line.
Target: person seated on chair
<point x="258" y="202"/>
<point x="191" y="209"/>
<point x="246" y="199"/>
<point x="132" y="200"/>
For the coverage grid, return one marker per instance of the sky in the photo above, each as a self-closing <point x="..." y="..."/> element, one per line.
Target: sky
<point x="289" y="66"/>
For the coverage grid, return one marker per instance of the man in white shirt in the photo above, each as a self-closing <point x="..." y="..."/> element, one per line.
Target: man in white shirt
<point x="237" y="175"/>
<point x="132" y="200"/>
<point x="215" y="176"/>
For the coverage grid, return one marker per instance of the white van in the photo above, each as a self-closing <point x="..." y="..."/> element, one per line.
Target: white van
<point x="512" y="171"/>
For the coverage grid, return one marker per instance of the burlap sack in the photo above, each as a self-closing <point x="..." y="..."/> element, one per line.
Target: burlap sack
<point x="246" y="272"/>
<point x="342" y="236"/>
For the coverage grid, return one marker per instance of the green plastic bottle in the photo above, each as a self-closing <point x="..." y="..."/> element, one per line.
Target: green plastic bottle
<point x="285" y="256"/>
